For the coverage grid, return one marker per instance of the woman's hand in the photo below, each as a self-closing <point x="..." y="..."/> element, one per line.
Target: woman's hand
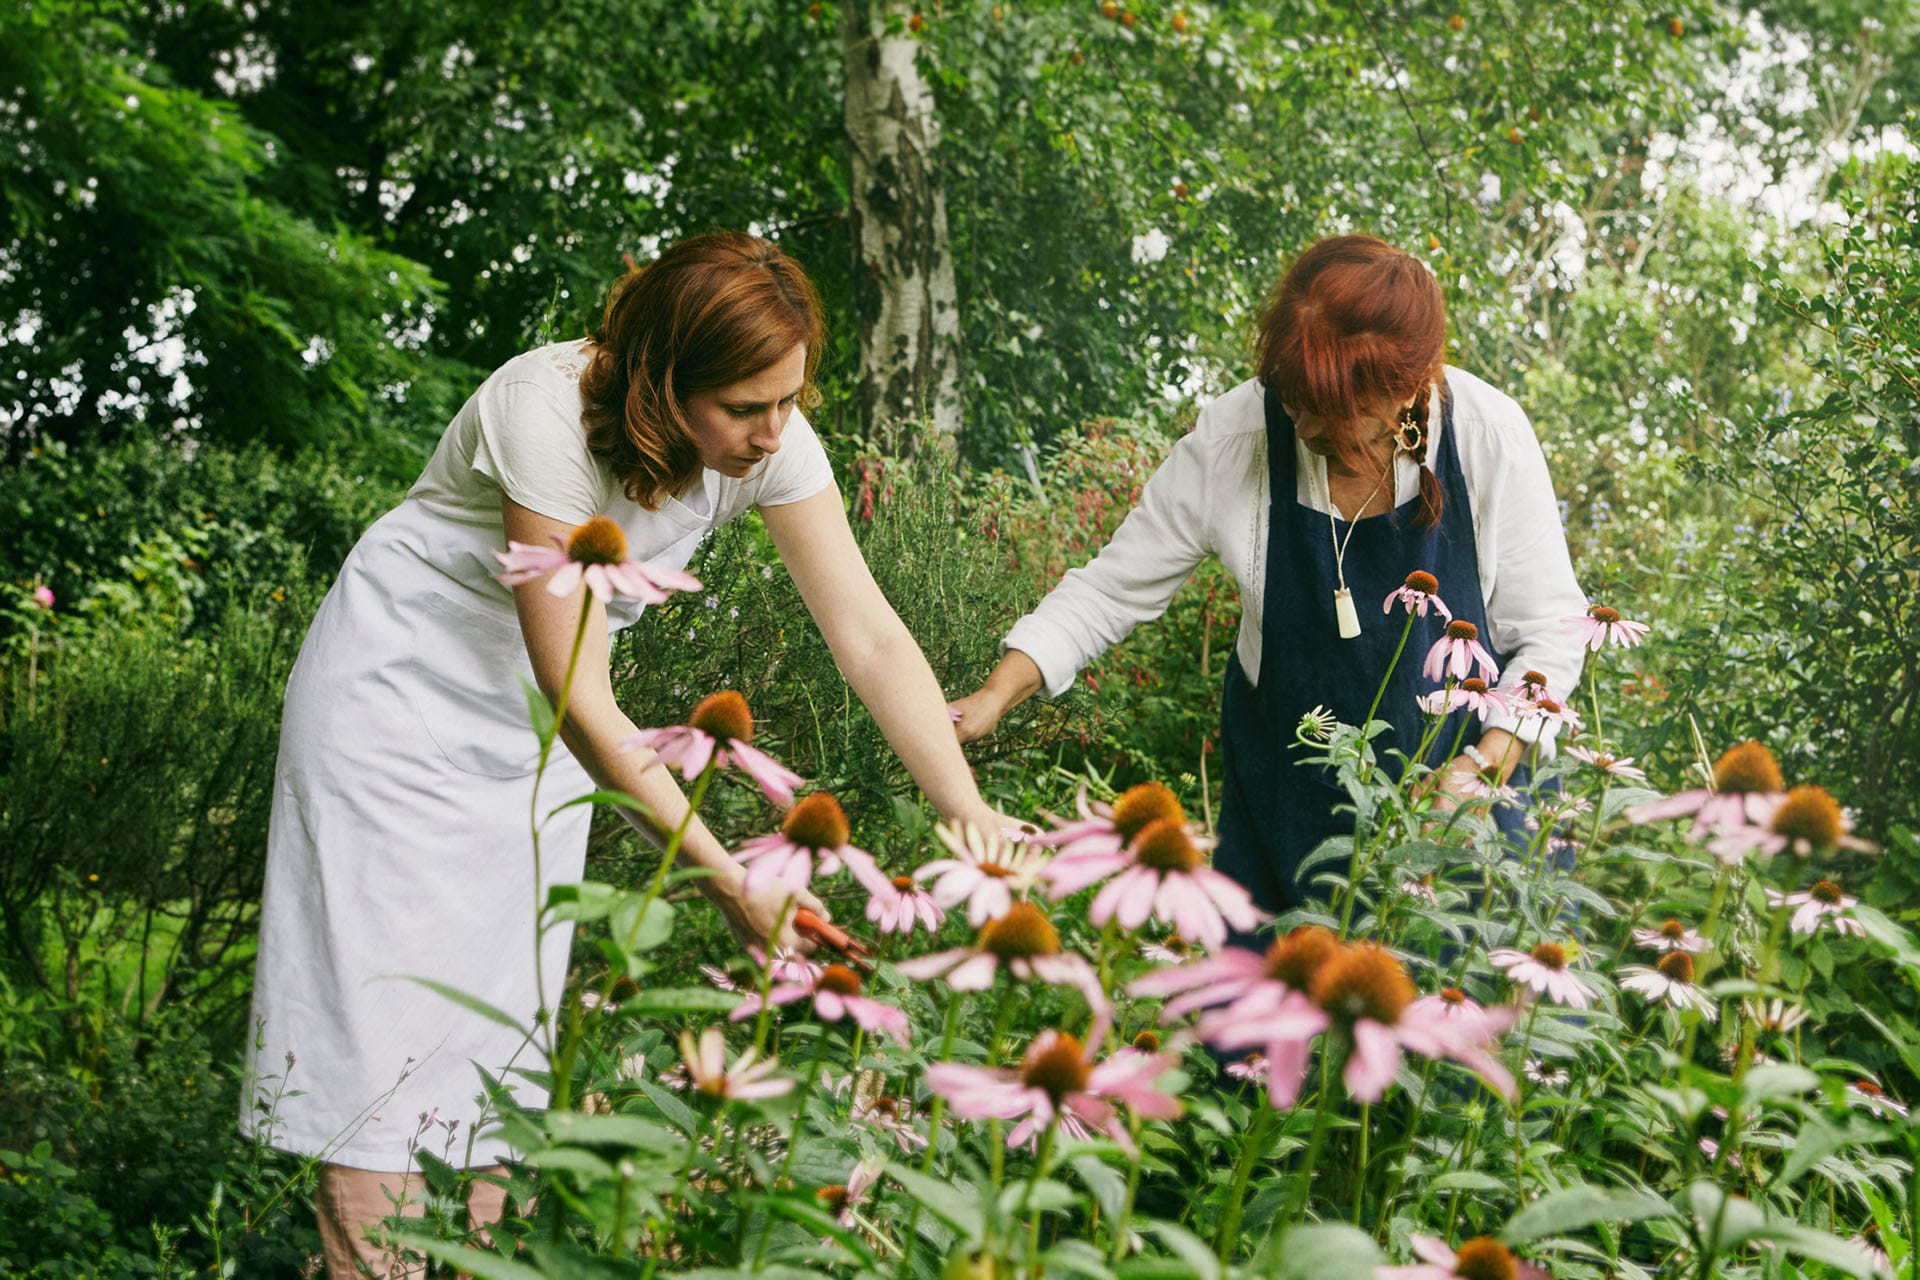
<point x="977" y="714"/>
<point x="752" y="917"/>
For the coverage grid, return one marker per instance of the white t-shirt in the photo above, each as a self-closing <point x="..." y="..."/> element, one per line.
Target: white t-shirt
<point x="520" y="434"/>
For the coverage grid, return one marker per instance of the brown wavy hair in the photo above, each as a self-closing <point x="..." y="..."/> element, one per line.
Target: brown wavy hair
<point x="1354" y="322"/>
<point x="710" y="311"/>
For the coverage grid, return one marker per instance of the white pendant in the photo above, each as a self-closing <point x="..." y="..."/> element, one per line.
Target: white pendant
<point x="1343" y="611"/>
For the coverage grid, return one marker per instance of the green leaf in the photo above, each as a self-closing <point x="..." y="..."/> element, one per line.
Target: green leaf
<point x="1186" y="1246"/>
<point x="1108" y="1187"/>
<point x="1323" y="1251"/>
<point x="1076" y="1257"/>
<point x="638" y="936"/>
<point x="627" y="1132"/>
<point x="944" y="1200"/>
<point x="1580" y="1206"/>
<point x="680" y="1000"/>
<point x="1468" y="1180"/>
<point x="1776" y="1080"/>
<point x="584" y="901"/>
<point x="677" y="1112"/>
<point x="573" y="1160"/>
<point x="473" y="1004"/>
<point x="474" y="1262"/>
<point x="620" y="798"/>
<point x="1726" y="1222"/>
<point x="539" y="711"/>
<point x="1841" y="1255"/>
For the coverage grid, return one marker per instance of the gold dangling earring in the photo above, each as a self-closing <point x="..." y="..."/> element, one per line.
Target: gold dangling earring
<point x="1410" y="434"/>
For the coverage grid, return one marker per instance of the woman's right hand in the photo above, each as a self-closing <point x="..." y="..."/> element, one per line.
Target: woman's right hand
<point x="977" y="714"/>
<point x="752" y="917"/>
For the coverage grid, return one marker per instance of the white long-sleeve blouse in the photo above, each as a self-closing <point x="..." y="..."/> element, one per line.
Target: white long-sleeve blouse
<point x="1210" y="497"/>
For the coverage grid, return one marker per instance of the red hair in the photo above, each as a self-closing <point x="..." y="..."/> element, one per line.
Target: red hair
<point x="712" y="310"/>
<point x="1356" y="323"/>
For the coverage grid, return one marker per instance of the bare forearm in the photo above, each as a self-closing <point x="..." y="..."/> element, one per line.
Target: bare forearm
<point x="894" y="681"/>
<point x="596" y="746"/>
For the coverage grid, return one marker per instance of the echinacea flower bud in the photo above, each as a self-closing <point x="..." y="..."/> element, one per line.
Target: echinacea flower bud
<point x="599" y="541"/>
<point x="724" y="717"/>
<point x="1058" y="1070"/>
<point x="1600" y="613"/>
<point x="1147" y="1042"/>
<point x="1165" y="845"/>
<point x="1484" y="1258"/>
<point x="1460" y="629"/>
<point x="1295" y="959"/>
<point x="1453" y="996"/>
<point x="1825" y="891"/>
<point x="1137" y="807"/>
<point x="903" y="883"/>
<point x="1809" y="813"/>
<point x="1423" y="582"/>
<point x="1023" y="931"/>
<point x="1473" y="684"/>
<point x="1673" y="929"/>
<point x="1677" y="965"/>
<point x="832" y="1198"/>
<point x="1363" y="981"/>
<point x="1747" y="768"/>
<point x="817" y="822"/>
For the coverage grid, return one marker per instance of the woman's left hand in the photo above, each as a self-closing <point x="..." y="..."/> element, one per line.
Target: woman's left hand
<point x="752" y="917"/>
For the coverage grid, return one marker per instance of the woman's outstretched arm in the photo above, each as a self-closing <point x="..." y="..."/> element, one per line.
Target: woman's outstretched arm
<point x="878" y="656"/>
<point x="595" y="727"/>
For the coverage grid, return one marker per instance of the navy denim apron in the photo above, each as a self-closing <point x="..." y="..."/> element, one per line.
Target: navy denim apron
<point x="1275" y="811"/>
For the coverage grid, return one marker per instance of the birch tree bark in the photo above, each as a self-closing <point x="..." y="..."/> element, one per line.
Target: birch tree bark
<point x="904" y="298"/>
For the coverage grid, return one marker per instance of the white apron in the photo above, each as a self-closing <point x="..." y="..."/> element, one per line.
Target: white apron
<point x="400" y="849"/>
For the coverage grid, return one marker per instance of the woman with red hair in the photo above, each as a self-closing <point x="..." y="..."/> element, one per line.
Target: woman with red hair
<point x="1354" y="457"/>
<point x="399" y="845"/>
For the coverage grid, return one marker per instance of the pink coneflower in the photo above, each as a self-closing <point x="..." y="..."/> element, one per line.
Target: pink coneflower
<point x="987" y="869"/>
<point x="1671" y="936"/>
<point x="1548" y="1075"/>
<point x="896" y="903"/>
<point x="1455" y="655"/>
<point x="595" y="552"/>
<point x="891" y="1116"/>
<point x="1266" y="1006"/>
<point x="1482" y="1258"/>
<point x="1612" y="766"/>
<point x="719" y="978"/>
<point x="1471" y="693"/>
<point x="1876" y="1257"/>
<point x="1421" y="890"/>
<point x="43" y="597"/>
<point x="1478" y="786"/>
<point x="835" y="994"/>
<point x="1419" y="593"/>
<point x="1023" y="940"/>
<point x="719" y="730"/>
<point x="1172" y="949"/>
<point x="1670" y="982"/>
<point x="1711" y="1150"/>
<point x="1163" y="873"/>
<point x="1545" y="970"/>
<point x="1550" y="710"/>
<point x="1865" y="1093"/>
<point x="1747" y="787"/>
<point x="1366" y="992"/>
<point x="1807" y="820"/>
<point x="707" y="1072"/>
<point x="1773" y="1015"/>
<point x="1109" y="828"/>
<point x="1822" y="900"/>
<point x="1233" y="973"/>
<point x="1252" y="1068"/>
<point x="816" y="827"/>
<point x="1470" y="1028"/>
<point x="1600" y="626"/>
<point x="840" y="1200"/>
<point x="1058" y="1081"/>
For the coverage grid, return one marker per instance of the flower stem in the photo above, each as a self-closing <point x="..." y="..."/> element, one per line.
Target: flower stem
<point x="1227" y="1236"/>
<point x="1122" y="1223"/>
<point x="1381" y="692"/>
<point x="793" y="1138"/>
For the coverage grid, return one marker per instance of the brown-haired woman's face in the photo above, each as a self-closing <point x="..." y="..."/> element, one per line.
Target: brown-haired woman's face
<point x="736" y="426"/>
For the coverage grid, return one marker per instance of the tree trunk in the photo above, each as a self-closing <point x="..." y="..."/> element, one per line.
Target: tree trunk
<point x="904" y="299"/>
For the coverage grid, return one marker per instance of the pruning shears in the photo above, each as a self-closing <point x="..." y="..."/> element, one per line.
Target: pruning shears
<point x="825" y="933"/>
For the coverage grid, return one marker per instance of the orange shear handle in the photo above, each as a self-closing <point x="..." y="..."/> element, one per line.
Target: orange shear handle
<point x="825" y="933"/>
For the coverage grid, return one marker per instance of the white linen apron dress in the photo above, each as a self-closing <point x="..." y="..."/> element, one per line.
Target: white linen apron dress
<point x="400" y="843"/>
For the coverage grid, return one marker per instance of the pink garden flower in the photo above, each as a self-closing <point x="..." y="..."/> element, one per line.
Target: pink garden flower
<point x="1747" y="787"/>
<point x="1057" y="1081"/>
<point x="836" y="995"/>
<point x="986" y="870"/>
<point x="1821" y="901"/>
<point x="1670" y="982"/>
<point x="1773" y="1015"/>
<point x="1482" y="1258"/>
<point x="1865" y="1093"/>
<point x="719" y="978"/>
<point x="1172" y="949"/>
<point x="1545" y="970"/>
<point x="1612" y="766"/>
<point x="595" y="552"/>
<point x="1671" y="936"/>
<point x="896" y="903"/>
<point x="1252" y="1068"/>
<point x="842" y="1199"/>
<point x="718" y="731"/>
<point x="891" y="1116"/>
<point x="43" y="597"/>
<point x="1025" y="942"/>
<point x="1163" y="873"/>
<point x="1600" y="626"/>
<point x="816" y="827"/>
<point x="1807" y="820"/>
<point x="1110" y="828"/>
<point x="1455" y="655"/>
<point x="1471" y="693"/>
<point x="1548" y="1075"/>
<point x="706" y="1069"/>
<point x="1419" y="593"/>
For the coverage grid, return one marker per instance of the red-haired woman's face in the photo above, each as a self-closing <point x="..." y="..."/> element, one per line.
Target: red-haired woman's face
<point x="736" y="426"/>
<point x="1318" y="433"/>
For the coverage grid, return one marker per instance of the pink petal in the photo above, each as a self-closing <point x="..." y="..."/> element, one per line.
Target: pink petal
<point x="1373" y="1062"/>
<point x="777" y="782"/>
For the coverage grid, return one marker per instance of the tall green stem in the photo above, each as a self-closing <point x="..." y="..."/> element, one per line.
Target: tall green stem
<point x="1228" y="1233"/>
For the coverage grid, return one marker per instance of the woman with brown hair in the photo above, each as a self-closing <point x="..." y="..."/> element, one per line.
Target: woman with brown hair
<point x="399" y="846"/>
<point x="1353" y="458"/>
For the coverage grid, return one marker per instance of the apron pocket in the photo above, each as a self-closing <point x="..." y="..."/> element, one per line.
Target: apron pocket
<point x="462" y="680"/>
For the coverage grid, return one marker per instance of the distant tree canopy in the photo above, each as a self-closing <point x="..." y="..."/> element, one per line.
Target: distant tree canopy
<point x="331" y="218"/>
